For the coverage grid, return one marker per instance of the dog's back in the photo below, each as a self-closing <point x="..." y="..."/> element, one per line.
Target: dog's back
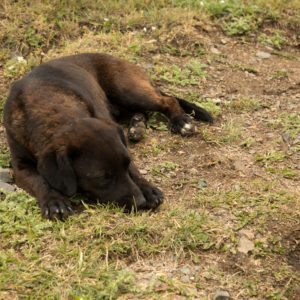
<point x="49" y="97"/>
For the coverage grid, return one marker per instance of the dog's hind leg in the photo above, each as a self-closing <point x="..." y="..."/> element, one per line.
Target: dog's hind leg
<point x="53" y="205"/>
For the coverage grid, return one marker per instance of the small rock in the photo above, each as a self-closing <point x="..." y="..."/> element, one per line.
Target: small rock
<point x="202" y="184"/>
<point x="193" y="171"/>
<point x="263" y="55"/>
<point x="185" y="279"/>
<point x="245" y="245"/>
<point x="239" y="165"/>
<point x="143" y="172"/>
<point x="287" y="138"/>
<point x="5" y="175"/>
<point x="221" y="295"/>
<point x="214" y="50"/>
<point x="217" y="101"/>
<point x="224" y="41"/>
<point x="185" y="270"/>
<point x="7" y="188"/>
<point x="247" y="233"/>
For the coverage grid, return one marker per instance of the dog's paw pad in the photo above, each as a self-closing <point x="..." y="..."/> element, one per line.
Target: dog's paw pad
<point x="188" y="129"/>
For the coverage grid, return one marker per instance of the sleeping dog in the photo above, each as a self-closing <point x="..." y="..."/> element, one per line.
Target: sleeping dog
<point x="60" y="121"/>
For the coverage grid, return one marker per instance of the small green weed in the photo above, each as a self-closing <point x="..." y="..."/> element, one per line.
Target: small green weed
<point x="240" y="26"/>
<point x="244" y="68"/>
<point x="268" y="158"/>
<point x="279" y="74"/>
<point x="277" y="40"/>
<point x="289" y="122"/>
<point x="17" y="67"/>
<point x="164" y="168"/>
<point x="189" y="75"/>
<point x="208" y="104"/>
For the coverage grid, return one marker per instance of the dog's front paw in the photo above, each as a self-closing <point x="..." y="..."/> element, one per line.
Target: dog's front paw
<point x="154" y="196"/>
<point x="183" y="125"/>
<point x="56" y="208"/>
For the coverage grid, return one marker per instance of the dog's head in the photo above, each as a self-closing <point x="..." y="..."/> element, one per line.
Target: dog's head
<point x="91" y="156"/>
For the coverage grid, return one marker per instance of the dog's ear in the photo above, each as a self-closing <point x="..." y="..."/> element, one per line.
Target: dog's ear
<point x="57" y="170"/>
<point x="122" y="136"/>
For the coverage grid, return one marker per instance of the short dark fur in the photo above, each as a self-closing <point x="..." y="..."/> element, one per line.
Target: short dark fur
<point x="61" y="130"/>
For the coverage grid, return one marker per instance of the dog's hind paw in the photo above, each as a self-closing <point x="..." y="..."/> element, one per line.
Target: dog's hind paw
<point x="183" y="125"/>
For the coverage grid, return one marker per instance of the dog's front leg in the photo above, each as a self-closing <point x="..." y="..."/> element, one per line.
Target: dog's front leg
<point x="153" y="195"/>
<point x="53" y="205"/>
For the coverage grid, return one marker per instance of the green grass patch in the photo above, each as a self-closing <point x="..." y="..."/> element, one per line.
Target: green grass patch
<point x="190" y="74"/>
<point x="276" y="40"/>
<point x="289" y="123"/>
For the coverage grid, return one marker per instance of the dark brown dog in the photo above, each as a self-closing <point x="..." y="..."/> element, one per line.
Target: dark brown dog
<point x="63" y="138"/>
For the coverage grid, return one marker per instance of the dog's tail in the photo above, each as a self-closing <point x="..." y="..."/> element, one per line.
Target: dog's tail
<point x="196" y="111"/>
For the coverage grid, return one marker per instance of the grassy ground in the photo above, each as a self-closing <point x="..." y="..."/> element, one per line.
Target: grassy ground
<point x="231" y="216"/>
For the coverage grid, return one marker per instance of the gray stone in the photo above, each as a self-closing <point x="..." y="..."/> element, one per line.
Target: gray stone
<point x="185" y="279"/>
<point x="245" y="245"/>
<point x="143" y="171"/>
<point x="5" y="175"/>
<point x="185" y="270"/>
<point x="7" y="188"/>
<point x="221" y="295"/>
<point x="263" y="55"/>
<point x="202" y="184"/>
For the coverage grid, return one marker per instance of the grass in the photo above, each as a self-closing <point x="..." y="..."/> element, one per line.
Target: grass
<point x="277" y="40"/>
<point x="182" y="76"/>
<point x="86" y="255"/>
<point x="103" y="253"/>
<point x="244" y="104"/>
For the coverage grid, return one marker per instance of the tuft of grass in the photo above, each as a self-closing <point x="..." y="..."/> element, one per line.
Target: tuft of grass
<point x="231" y="131"/>
<point x="277" y="40"/>
<point x="164" y="168"/>
<point x="245" y="68"/>
<point x="208" y="104"/>
<point x="16" y="67"/>
<point x="173" y="74"/>
<point x="270" y="156"/>
<point x="240" y="26"/>
<point x="279" y="74"/>
<point x="290" y="124"/>
<point x="244" y="104"/>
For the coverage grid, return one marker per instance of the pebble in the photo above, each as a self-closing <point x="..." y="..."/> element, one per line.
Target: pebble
<point x="245" y="245"/>
<point x="263" y="55"/>
<point x="143" y="172"/>
<point x="7" y="188"/>
<point x="214" y="50"/>
<point x="193" y="171"/>
<point x="185" y="270"/>
<point x="185" y="279"/>
<point x="5" y="175"/>
<point x="221" y="295"/>
<point x="202" y="184"/>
